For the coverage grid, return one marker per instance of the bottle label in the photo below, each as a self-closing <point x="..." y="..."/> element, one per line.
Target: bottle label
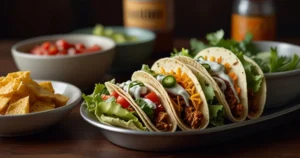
<point x="151" y="14"/>
<point x="262" y="27"/>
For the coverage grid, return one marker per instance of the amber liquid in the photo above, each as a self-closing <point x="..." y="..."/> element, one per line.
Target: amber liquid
<point x="154" y="15"/>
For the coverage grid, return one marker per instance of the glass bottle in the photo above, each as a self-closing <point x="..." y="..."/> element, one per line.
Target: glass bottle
<point x="154" y="15"/>
<point x="254" y="16"/>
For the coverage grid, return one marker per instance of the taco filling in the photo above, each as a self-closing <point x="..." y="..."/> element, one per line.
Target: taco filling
<point x="183" y="95"/>
<point x="112" y="109"/>
<point x="149" y="103"/>
<point x="226" y="80"/>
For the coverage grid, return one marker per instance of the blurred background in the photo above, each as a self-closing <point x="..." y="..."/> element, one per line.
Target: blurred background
<point x="193" y="18"/>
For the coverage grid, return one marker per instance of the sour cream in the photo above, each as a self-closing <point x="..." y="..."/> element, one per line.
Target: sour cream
<point x="218" y="71"/>
<point x="176" y="90"/>
<point x="136" y="91"/>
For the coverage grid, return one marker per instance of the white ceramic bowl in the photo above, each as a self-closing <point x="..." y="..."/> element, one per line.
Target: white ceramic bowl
<point x="82" y="70"/>
<point x="17" y="125"/>
<point x="282" y="87"/>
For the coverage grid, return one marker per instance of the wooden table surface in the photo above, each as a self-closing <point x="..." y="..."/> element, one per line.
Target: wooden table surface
<point x="75" y="138"/>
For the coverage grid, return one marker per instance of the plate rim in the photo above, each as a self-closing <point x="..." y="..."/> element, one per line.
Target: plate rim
<point x="267" y="117"/>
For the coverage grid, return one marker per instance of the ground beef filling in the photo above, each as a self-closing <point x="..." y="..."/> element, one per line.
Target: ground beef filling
<point x="192" y="117"/>
<point x="189" y="115"/>
<point x="251" y="102"/>
<point x="235" y="107"/>
<point x="161" y="121"/>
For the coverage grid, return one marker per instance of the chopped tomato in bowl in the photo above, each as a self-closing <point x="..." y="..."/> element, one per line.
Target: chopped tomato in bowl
<point x="62" y="47"/>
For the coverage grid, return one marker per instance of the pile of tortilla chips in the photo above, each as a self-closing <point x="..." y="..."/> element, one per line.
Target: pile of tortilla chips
<point x="19" y="94"/>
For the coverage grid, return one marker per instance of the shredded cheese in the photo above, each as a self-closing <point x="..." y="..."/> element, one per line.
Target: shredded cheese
<point x="219" y="60"/>
<point x="188" y="85"/>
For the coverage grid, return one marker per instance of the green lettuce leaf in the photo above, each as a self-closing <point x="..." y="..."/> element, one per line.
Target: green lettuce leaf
<point x="215" y="37"/>
<point x="114" y="109"/>
<point x="208" y="91"/>
<point x="254" y="80"/>
<point x="183" y="52"/>
<point x="217" y="115"/>
<point x="141" y="103"/>
<point x="95" y="98"/>
<point x="88" y="101"/>
<point x="216" y="112"/>
<point x="120" y="123"/>
<point x="147" y="69"/>
<point x="196" y="46"/>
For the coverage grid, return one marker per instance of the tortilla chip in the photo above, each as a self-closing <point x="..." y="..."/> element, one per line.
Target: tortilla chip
<point x="19" y="74"/>
<point x="47" y="85"/>
<point x="41" y="106"/>
<point x="61" y="100"/>
<point x="9" y="88"/>
<point x="38" y="90"/>
<point x="4" y="102"/>
<point x="19" y="107"/>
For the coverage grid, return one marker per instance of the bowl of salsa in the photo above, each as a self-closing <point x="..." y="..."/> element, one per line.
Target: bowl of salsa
<point x="78" y="59"/>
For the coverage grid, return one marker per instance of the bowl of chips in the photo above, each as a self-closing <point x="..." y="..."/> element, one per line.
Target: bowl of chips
<point x="28" y="106"/>
<point x="79" y="69"/>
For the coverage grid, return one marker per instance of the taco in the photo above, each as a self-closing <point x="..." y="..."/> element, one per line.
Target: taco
<point x="218" y="107"/>
<point x="207" y="81"/>
<point x="112" y="108"/>
<point x="177" y="83"/>
<point x="152" y="107"/>
<point x="239" y="78"/>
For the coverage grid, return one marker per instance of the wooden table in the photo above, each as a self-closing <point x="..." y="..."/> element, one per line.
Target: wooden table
<point x="74" y="138"/>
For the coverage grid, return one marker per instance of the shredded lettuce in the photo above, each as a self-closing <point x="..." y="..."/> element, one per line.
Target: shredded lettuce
<point x="254" y="80"/>
<point x="216" y="118"/>
<point x="147" y="69"/>
<point x="183" y="52"/>
<point x="110" y="112"/>
<point x="144" y="106"/>
<point x="217" y="115"/>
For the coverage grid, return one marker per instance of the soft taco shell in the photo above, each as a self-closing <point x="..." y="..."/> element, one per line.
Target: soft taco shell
<point x="111" y="87"/>
<point x="142" y="114"/>
<point x="170" y="64"/>
<point x="236" y="67"/>
<point x="261" y="96"/>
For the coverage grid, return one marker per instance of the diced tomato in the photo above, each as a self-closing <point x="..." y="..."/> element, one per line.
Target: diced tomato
<point x="104" y="97"/>
<point x="36" y="50"/>
<point x="123" y="102"/>
<point x="63" y="52"/>
<point x="153" y="97"/>
<point x="93" y="48"/>
<point x="114" y="94"/>
<point x="79" y="46"/>
<point x="52" y="50"/>
<point x="62" y="44"/>
<point x="46" y="45"/>
<point x="79" y="51"/>
<point x="62" y="47"/>
<point x="159" y="108"/>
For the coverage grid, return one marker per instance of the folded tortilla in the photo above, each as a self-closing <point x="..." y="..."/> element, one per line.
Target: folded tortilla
<point x="194" y="116"/>
<point x="252" y="106"/>
<point x="151" y="124"/>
